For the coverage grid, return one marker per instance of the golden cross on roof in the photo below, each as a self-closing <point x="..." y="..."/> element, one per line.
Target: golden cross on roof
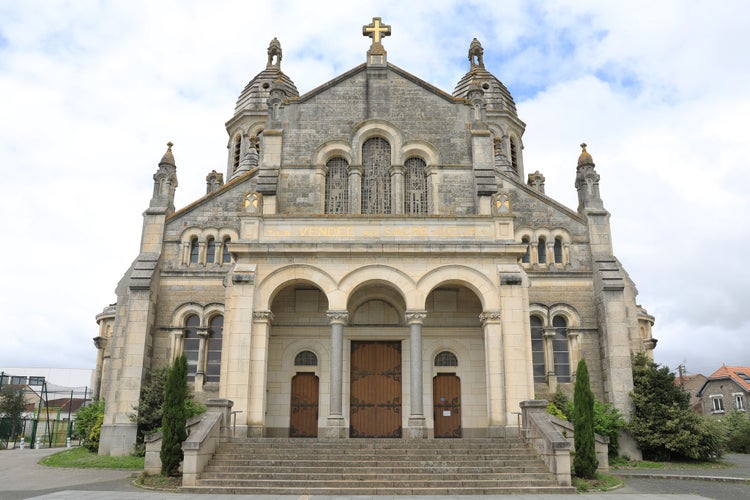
<point x="375" y="30"/>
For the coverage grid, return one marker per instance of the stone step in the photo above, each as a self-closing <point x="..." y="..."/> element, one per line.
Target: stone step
<point x="380" y="476"/>
<point x="391" y="491"/>
<point x="449" y="469"/>
<point x="376" y="484"/>
<point x="370" y="463"/>
<point x="420" y="457"/>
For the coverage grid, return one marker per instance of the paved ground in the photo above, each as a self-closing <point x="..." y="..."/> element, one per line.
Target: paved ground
<point x="22" y="477"/>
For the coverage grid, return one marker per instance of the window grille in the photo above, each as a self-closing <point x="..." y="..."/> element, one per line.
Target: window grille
<point x="306" y="358"/>
<point x="376" y="180"/>
<point x="337" y="186"/>
<point x="415" y="187"/>
<point x="213" y="348"/>
<point x="537" y="349"/>
<point x="191" y="344"/>
<point x="560" y="349"/>
<point x="446" y="358"/>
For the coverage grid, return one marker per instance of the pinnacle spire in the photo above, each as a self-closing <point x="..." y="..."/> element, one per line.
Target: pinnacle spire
<point x="168" y="158"/>
<point x="585" y="158"/>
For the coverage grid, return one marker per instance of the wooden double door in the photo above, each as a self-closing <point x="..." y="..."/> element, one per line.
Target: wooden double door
<point x="375" y="390"/>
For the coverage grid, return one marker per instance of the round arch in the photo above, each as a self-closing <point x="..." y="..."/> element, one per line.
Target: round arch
<point x="420" y="149"/>
<point x="332" y="149"/>
<point x="377" y="273"/>
<point x="288" y="275"/>
<point x="477" y="282"/>
<point x="181" y="313"/>
<point x="376" y="128"/>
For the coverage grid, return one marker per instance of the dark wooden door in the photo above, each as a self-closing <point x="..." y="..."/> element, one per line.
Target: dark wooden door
<point x="375" y="394"/>
<point x="446" y="396"/>
<point x="303" y="421"/>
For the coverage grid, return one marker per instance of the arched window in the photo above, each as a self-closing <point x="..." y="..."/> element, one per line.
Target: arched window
<point x="376" y="179"/>
<point x="226" y="257"/>
<point x="558" y="251"/>
<point x="560" y="349"/>
<point x="337" y="186"/>
<point x="513" y="154"/>
<point x="236" y="153"/>
<point x="527" y="256"/>
<point x="213" y="348"/>
<point x="542" y="251"/>
<point x="306" y="358"/>
<point x="415" y="186"/>
<point x="191" y="344"/>
<point x="210" y="251"/>
<point x="446" y="358"/>
<point x="194" y="251"/>
<point x="537" y="349"/>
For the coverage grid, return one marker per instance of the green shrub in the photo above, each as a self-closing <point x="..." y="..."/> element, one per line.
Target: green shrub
<point x="737" y="425"/>
<point x="88" y="424"/>
<point x="555" y="411"/>
<point x="584" y="461"/>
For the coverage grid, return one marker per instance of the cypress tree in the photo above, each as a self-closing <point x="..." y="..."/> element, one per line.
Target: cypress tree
<point x="584" y="462"/>
<point x="173" y="419"/>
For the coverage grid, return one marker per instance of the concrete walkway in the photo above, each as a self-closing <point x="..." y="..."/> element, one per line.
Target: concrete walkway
<point x="739" y="472"/>
<point x="22" y="477"/>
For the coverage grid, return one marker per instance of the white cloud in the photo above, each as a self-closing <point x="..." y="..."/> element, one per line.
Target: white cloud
<point x="91" y="93"/>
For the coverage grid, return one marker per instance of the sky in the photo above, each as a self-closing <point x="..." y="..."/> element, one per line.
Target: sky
<point x="91" y="92"/>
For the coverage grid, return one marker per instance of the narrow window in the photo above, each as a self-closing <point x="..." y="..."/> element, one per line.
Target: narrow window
<point x="739" y="402"/>
<point x="415" y="186"/>
<point x="190" y="344"/>
<point x="527" y="256"/>
<point x="210" y="251"/>
<point x="560" y="349"/>
<point x="513" y="154"/>
<point x="376" y="178"/>
<point x="306" y="358"/>
<point x="718" y="404"/>
<point x="194" y="251"/>
<point x="337" y="186"/>
<point x="537" y="349"/>
<point x="542" y="250"/>
<point x="446" y="358"/>
<point x="558" y="251"/>
<point x="213" y="348"/>
<point x="236" y="153"/>
<point x="226" y="257"/>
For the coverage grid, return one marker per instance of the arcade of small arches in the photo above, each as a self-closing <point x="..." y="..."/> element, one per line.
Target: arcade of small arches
<point x="207" y="247"/>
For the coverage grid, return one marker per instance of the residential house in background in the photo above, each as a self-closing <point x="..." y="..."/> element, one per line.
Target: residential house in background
<point x="727" y="389"/>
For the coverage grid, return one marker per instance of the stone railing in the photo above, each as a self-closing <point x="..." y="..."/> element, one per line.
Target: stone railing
<point x="205" y="432"/>
<point x="601" y="443"/>
<point x="552" y="446"/>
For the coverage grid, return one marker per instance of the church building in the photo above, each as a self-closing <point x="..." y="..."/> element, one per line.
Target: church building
<point x="375" y="261"/>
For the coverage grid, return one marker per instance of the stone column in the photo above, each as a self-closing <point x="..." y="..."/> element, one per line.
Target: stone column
<point x="201" y="253"/>
<point x="495" y="366"/>
<point x="186" y="253"/>
<point x="549" y="358"/>
<point x="101" y="345"/>
<point x="574" y="351"/>
<point x="200" y="370"/>
<point x="336" y="427"/>
<point x="417" y="425"/>
<point x="178" y="334"/>
<point x="355" y="189"/>
<point x="397" y="188"/>
<point x="432" y="191"/>
<point x="258" y="367"/>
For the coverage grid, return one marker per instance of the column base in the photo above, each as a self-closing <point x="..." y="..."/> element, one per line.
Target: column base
<point x="336" y="428"/>
<point x="256" y="431"/>
<point x="117" y="440"/>
<point x="417" y="428"/>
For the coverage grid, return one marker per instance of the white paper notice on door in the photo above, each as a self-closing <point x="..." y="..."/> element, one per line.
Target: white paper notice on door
<point x="446" y="413"/>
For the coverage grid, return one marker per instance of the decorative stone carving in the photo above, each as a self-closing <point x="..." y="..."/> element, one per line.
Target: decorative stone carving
<point x="263" y="316"/>
<point x="214" y="181"/>
<point x="337" y="317"/>
<point x="490" y="317"/>
<point x="502" y="204"/>
<point x="253" y="203"/>
<point x="476" y="54"/>
<point x="417" y="317"/>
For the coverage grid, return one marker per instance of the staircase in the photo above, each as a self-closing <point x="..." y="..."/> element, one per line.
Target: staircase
<point x="375" y="467"/>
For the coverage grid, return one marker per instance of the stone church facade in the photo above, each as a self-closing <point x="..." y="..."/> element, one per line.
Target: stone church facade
<point x="374" y="262"/>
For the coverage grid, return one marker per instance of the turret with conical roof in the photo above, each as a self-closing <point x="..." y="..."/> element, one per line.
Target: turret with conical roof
<point x="165" y="182"/>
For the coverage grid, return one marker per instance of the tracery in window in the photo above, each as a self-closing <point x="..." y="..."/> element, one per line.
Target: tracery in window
<point x="376" y="179"/>
<point x="213" y="348"/>
<point x="191" y="344"/>
<point x="337" y="186"/>
<point x="306" y="358"/>
<point x="446" y="358"/>
<point x="415" y="186"/>
<point x="210" y="251"/>
<point x="537" y="349"/>
<point x="560" y="349"/>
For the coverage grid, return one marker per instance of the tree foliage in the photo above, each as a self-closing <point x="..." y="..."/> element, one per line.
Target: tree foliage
<point x="584" y="462"/>
<point x="12" y="406"/>
<point x="737" y="425"/>
<point x="88" y="425"/>
<point x="663" y="424"/>
<point x="173" y="417"/>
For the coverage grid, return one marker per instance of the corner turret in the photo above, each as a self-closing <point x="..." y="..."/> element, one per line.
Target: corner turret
<point x="165" y="182"/>
<point x="587" y="183"/>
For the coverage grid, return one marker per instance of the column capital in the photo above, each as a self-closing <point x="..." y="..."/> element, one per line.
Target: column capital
<point x="262" y="316"/>
<point x="355" y="170"/>
<point x="415" y="317"/>
<point x="490" y="317"/>
<point x="337" y="317"/>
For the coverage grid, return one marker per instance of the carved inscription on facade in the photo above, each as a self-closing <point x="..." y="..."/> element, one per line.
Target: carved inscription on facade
<point x="384" y="232"/>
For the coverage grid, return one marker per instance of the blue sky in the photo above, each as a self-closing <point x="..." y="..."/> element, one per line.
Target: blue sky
<point x="91" y="91"/>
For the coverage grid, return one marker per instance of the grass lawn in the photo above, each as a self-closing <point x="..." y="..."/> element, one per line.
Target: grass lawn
<point x="81" y="458"/>
<point x="620" y="463"/>
<point x="602" y="482"/>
